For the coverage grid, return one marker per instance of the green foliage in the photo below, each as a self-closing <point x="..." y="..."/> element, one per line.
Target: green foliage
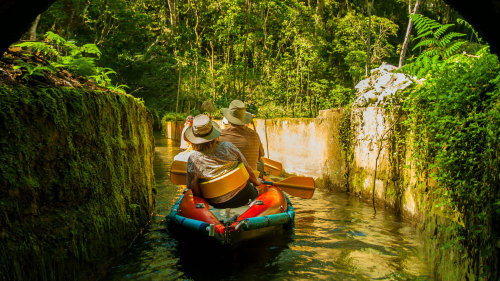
<point x="62" y="53"/>
<point x="102" y="77"/>
<point x="33" y="69"/>
<point x="439" y="46"/>
<point x="475" y="34"/>
<point x="172" y="116"/>
<point x="356" y="60"/>
<point x="455" y="120"/>
<point x="284" y="53"/>
<point x="346" y="137"/>
<point x="436" y="38"/>
<point x="351" y="37"/>
<point x="456" y="115"/>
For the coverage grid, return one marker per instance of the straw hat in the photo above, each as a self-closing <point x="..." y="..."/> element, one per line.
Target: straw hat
<point x="203" y="130"/>
<point x="237" y="113"/>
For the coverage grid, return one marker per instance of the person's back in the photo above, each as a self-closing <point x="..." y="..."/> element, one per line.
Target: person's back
<point x="211" y="160"/>
<point x="244" y="138"/>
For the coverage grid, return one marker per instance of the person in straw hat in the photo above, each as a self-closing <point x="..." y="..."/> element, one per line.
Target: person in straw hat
<point x="237" y="133"/>
<point x="212" y="159"/>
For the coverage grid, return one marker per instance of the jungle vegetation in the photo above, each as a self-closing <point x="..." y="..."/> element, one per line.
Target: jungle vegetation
<point x="291" y="58"/>
<point x="282" y="57"/>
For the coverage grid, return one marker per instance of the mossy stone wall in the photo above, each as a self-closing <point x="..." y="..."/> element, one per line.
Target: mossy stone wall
<point x="76" y="180"/>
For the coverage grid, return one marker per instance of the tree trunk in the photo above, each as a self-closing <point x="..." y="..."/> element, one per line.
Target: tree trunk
<point x="245" y="65"/>
<point x="408" y="31"/>
<point x="178" y="89"/>
<point x="33" y="27"/>
<point x="320" y="6"/>
<point x="368" y="45"/>
<point x="172" y="7"/>
<point x="212" y="71"/>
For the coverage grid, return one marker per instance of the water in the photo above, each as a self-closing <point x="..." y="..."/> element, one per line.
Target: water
<point x="336" y="237"/>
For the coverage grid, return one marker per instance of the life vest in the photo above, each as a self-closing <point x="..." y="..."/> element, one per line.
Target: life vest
<point x="226" y="183"/>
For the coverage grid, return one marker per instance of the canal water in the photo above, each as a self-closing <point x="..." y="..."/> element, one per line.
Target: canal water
<point x="336" y="237"/>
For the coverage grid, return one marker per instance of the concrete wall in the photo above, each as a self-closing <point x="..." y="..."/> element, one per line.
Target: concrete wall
<point x="173" y="129"/>
<point x="312" y="147"/>
<point x="306" y="146"/>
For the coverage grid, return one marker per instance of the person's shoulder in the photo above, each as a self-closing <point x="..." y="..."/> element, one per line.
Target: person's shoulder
<point x="246" y="128"/>
<point x="194" y="155"/>
<point x="226" y="144"/>
<point x="229" y="128"/>
<point x="251" y="131"/>
<point x="228" y="131"/>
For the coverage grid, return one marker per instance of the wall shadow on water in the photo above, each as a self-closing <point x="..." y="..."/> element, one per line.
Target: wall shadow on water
<point x="255" y="260"/>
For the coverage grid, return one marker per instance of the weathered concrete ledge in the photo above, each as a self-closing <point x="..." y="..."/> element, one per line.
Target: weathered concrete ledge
<point x="76" y="180"/>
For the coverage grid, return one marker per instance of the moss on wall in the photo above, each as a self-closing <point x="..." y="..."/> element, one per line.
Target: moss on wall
<point x="76" y="179"/>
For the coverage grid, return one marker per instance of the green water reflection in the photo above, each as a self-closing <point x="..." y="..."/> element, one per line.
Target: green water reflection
<point x="336" y="237"/>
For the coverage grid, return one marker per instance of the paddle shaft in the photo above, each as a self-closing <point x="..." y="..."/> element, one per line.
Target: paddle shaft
<point x="271" y="166"/>
<point x="286" y="185"/>
<point x="182" y="172"/>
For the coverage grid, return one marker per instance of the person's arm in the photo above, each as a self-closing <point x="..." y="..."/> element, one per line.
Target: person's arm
<point x="195" y="186"/>
<point x="261" y="150"/>
<point x="256" y="181"/>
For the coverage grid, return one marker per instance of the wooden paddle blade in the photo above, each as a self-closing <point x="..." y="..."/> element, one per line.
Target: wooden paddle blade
<point x="272" y="167"/>
<point x="178" y="172"/>
<point x="302" y="187"/>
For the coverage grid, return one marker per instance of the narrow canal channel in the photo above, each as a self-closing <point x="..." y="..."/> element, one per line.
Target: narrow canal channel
<point x="336" y="237"/>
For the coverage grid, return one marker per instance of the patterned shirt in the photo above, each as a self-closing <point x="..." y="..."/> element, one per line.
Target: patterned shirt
<point x="246" y="140"/>
<point x="213" y="163"/>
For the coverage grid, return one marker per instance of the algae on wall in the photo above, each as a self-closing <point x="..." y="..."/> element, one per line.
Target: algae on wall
<point x="76" y="179"/>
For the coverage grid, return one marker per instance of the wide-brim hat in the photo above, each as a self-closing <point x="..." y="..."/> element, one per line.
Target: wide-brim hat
<point x="237" y="113"/>
<point x="203" y="130"/>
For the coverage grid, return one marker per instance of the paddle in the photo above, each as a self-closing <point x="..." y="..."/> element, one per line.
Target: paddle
<point x="271" y="166"/>
<point x="178" y="172"/>
<point x="302" y="187"/>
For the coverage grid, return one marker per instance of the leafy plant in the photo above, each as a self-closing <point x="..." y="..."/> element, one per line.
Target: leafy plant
<point x="435" y="37"/>
<point x="62" y="53"/>
<point x="456" y="123"/>
<point x="103" y="79"/>
<point x="438" y="45"/>
<point x="33" y="69"/>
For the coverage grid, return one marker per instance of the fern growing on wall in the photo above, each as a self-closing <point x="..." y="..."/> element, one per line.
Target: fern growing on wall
<point x="66" y="54"/>
<point x="436" y="38"/>
<point x="438" y="45"/>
